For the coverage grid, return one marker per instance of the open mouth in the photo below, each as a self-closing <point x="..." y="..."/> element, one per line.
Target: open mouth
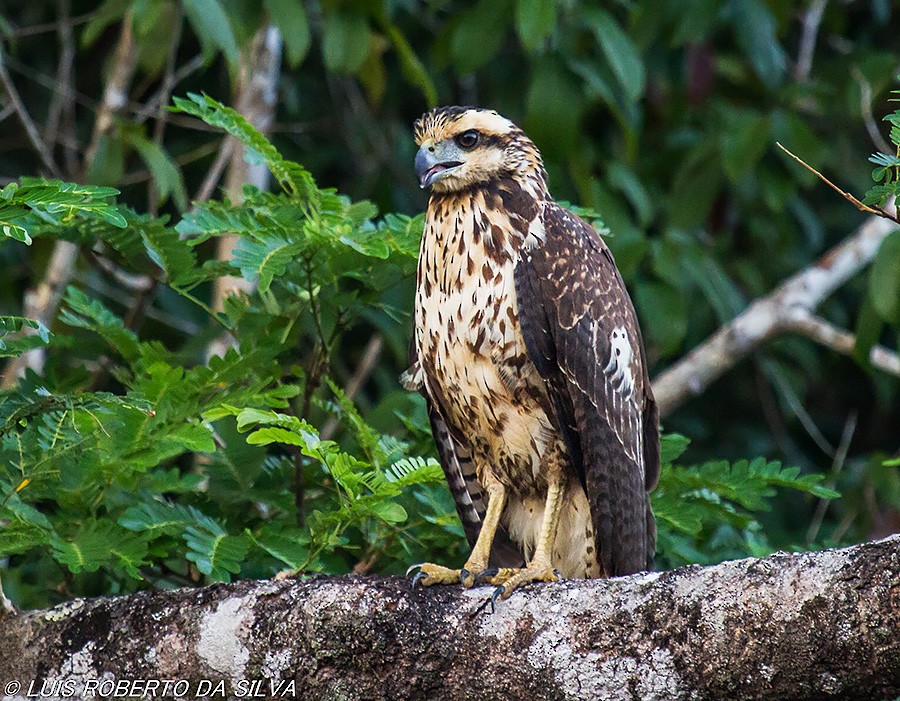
<point x="433" y="173"/>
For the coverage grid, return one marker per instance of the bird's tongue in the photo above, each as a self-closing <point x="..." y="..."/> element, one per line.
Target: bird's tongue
<point x="434" y="170"/>
<point x="430" y="175"/>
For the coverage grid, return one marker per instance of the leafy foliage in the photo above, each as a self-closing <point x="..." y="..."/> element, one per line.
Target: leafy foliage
<point x="888" y="171"/>
<point x="659" y="117"/>
<point x="32" y="201"/>
<point x="884" y="281"/>
<point x="155" y="480"/>
<point x="18" y="335"/>
<point x="707" y="513"/>
<point x="188" y="471"/>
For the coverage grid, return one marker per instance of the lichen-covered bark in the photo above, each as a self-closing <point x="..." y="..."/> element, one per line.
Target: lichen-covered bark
<point x="814" y="625"/>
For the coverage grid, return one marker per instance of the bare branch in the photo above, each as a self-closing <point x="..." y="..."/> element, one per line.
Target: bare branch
<point x="812" y="19"/>
<point x="776" y="376"/>
<point x="837" y="464"/>
<point x="49" y="26"/>
<point x="31" y="130"/>
<point x="49" y="82"/>
<point x="61" y="105"/>
<point x="827" y="334"/>
<point x="789" y="626"/>
<point x="214" y="174"/>
<point x="6" y="606"/>
<point x="41" y="304"/>
<point x="865" y="108"/>
<point x="368" y="362"/>
<point x="115" y="94"/>
<point x="130" y="281"/>
<point x="789" y="306"/>
<point x="257" y="94"/>
<point x="165" y="92"/>
<point x="160" y="98"/>
<point x="143" y="175"/>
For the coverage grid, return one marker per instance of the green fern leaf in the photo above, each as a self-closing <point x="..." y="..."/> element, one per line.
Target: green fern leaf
<point x="215" y="553"/>
<point x="157" y="517"/>
<point x="169" y="251"/>
<point x="100" y="544"/>
<point x="82" y="312"/>
<point x="291" y="546"/>
<point x="19" y="537"/>
<point x="261" y="261"/>
<point x="295" y="179"/>
<point x="417" y="470"/>
<point x="13" y="342"/>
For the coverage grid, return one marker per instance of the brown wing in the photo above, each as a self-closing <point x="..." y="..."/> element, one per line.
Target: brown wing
<point x="582" y="334"/>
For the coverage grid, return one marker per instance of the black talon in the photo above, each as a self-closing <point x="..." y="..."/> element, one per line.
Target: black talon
<point x="558" y="574"/>
<point x="418" y="578"/>
<point x="484" y="574"/>
<point x="498" y="592"/>
<point x="463" y="576"/>
<point x="413" y="567"/>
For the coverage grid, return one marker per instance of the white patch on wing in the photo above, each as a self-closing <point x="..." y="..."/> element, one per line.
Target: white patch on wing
<point x="622" y="411"/>
<point x="621" y="356"/>
<point x="537" y="234"/>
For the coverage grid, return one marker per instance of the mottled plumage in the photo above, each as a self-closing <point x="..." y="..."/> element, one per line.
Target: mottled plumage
<point x="528" y="351"/>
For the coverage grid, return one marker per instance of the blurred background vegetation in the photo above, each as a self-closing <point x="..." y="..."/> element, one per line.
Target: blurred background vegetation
<point x="660" y="117"/>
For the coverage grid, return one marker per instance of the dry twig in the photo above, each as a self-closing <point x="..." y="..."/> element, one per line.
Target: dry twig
<point x="878" y="211"/>
<point x="31" y="130"/>
<point x="60" y="113"/>
<point x="367" y="363"/>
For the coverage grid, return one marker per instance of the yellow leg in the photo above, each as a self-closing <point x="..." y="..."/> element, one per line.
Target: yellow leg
<point x="429" y="574"/>
<point x="540" y="569"/>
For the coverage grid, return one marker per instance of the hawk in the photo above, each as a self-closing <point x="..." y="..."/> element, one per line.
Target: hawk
<point x="528" y="351"/>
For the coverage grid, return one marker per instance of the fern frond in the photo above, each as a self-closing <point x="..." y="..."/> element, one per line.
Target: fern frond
<point x="415" y="470"/>
<point x="293" y="177"/>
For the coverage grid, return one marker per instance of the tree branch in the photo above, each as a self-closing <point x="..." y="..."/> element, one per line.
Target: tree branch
<point x="115" y="94"/>
<point x="842" y="341"/>
<point x="41" y="303"/>
<point x="256" y="97"/>
<point x="61" y="104"/>
<point x="31" y="130"/>
<point x="789" y="307"/>
<point x="813" y="625"/>
<point x="159" y="128"/>
<point x="367" y="363"/>
<point x="812" y="18"/>
<point x="865" y="110"/>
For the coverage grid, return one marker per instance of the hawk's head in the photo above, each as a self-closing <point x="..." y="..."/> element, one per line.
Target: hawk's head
<point x="461" y="147"/>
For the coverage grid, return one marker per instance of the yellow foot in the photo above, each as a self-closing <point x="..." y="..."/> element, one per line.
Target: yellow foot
<point x="507" y="580"/>
<point x="429" y="574"/>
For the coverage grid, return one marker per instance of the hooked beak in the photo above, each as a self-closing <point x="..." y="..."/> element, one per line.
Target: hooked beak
<point x="429" y="169"/>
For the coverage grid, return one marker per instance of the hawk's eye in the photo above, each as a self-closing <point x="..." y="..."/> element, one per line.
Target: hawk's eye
<point x="468" y="139"/>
